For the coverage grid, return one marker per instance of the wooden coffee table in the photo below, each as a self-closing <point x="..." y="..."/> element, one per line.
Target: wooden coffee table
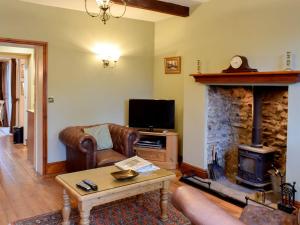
<point x="110" y="189"/>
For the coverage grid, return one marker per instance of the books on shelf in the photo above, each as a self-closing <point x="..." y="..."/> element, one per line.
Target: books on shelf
<point x="137" y="164"/>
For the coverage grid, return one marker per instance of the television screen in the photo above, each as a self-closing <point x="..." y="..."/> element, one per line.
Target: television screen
<point x="150" y="113"/>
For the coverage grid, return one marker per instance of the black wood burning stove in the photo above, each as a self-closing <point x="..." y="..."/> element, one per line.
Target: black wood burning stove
<point x="254" y="164"/>
<point x="254" y="161"/>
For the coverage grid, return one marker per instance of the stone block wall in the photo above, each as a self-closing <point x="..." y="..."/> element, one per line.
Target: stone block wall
<point x="229" y="123"/>
<point x="275" y="116"/>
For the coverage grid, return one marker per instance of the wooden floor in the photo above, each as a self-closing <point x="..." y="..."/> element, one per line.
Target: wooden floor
<point x="23" y="193"/>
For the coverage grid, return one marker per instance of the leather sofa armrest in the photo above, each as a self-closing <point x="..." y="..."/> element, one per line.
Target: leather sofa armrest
<point x="200" y="210"/>
<point x="123" y="139"/>
<point x="75" y="138"/>
<point x="81" y="149"/>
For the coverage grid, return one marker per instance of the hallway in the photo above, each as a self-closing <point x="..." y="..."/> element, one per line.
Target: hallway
<point x="23" y="193"/>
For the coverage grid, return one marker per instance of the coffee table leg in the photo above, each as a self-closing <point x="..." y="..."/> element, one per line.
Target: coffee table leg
<point x="84" y="214"/>
<point x="66" y="209"/>
<point x="164" y="200"/>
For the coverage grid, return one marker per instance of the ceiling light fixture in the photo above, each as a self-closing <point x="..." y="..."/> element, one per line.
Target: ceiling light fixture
<point x="104" y="10"/>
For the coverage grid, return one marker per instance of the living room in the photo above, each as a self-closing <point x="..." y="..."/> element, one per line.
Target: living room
<point x="84" y="92"/>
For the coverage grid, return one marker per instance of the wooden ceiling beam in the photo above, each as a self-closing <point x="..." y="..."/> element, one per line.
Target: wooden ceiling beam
<point x="158" y="6"/>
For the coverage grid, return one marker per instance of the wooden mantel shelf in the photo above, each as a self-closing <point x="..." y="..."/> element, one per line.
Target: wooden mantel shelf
<point x="274" y="77"/>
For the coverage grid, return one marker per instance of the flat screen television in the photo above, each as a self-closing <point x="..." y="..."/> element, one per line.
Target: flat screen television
<point x="152" y="114"/>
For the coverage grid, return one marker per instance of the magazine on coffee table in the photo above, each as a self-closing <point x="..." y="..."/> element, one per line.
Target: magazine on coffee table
<point x="137" y="164"/>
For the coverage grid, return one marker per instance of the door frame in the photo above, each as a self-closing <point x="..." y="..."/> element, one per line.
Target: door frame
<point x="44" y="45"/>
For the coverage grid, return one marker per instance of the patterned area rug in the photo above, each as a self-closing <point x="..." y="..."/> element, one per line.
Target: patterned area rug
<point x="122" y="212"/>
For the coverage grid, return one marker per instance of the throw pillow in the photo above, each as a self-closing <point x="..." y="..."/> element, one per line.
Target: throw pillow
<point x="102" y="135"/>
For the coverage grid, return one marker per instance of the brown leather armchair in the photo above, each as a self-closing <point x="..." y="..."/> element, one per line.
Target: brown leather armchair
<point x="81" y="148"/>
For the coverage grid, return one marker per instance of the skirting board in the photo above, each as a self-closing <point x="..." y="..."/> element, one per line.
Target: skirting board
<point x="56" y="168"/>
<point x="186" y="168"/>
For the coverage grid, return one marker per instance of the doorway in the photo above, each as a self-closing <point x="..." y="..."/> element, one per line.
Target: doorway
<point x="24" y="95"/>
<point x="17" y="94"/>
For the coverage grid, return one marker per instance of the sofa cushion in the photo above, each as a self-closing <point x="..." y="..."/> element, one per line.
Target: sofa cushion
<point x="108" y="157"/>
<point x="257" y="215"/>
<point x="102" y="135"/>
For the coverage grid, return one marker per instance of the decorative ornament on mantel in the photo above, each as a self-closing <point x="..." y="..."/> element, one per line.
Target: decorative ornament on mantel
<point x="105" y="10"/>
<point x="239" y="72"/>
<point x="288" y="61"/>
<point x="238" y="64"/>
<point x="198" y="66"/>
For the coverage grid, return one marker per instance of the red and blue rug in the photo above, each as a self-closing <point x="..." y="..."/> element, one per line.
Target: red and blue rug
<point x="122" y="212"/>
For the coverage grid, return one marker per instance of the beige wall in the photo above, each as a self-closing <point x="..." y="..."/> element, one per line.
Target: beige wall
<point x="293" y="153"/>
<point x="84" y="92"/>
<point x="169" y="86"/>
<point x="217" y="30"/>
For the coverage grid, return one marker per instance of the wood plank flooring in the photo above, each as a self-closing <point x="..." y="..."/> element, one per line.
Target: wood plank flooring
<point x="23" y="193"/>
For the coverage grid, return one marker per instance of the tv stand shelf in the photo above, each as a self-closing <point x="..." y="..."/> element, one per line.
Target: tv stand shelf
<point x="165" y="157"/>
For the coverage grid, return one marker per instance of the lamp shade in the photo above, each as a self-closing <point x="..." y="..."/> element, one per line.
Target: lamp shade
<point x="108" y="52"/>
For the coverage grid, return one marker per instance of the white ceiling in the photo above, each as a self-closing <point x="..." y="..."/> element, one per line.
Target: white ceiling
<point x="132" y="13"/>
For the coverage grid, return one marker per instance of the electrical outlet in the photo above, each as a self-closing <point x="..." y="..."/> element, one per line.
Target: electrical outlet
<point x="51" y="100"/>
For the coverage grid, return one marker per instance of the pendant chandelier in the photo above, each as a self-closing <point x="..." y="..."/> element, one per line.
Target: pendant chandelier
<point x="104" y="10"/>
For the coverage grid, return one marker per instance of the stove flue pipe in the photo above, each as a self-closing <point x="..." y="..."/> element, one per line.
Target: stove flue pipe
<point x="257" y="117"/>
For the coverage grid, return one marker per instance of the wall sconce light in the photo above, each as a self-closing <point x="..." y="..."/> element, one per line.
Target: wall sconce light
<point x="108" y="54"/>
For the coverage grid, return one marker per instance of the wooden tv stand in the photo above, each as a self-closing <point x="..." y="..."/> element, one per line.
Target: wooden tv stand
<point x="165" y="157"/>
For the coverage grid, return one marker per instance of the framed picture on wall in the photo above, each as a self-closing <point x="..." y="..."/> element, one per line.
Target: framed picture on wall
<point x="173" y="65"/>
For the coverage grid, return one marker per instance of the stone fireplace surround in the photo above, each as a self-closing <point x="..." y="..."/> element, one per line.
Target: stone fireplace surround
<point x="229" y="123"/>
<point x="195" y="157"/>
